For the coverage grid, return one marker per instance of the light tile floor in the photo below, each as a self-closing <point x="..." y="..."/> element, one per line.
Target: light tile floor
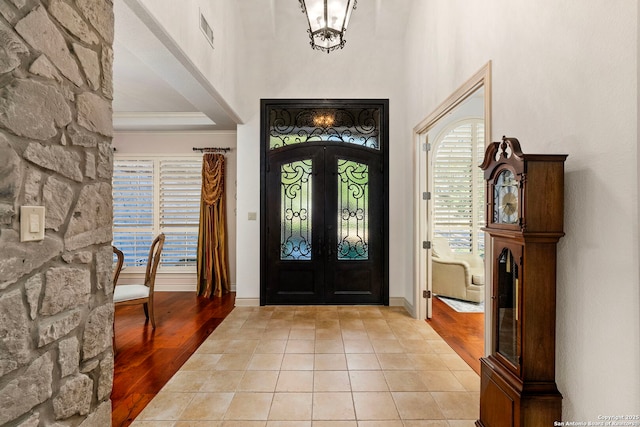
<point x="319" y="366"/>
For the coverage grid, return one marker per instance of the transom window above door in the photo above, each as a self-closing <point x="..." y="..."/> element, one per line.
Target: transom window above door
<point x="351" y="125"/>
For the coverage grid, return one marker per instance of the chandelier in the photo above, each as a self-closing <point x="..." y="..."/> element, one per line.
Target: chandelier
<point x="328" y="20"/>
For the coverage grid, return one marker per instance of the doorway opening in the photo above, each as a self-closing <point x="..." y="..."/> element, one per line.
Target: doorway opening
<point x="449" y="214"/>
<point x="456" y="218"/>
<point x="324" y="222"/>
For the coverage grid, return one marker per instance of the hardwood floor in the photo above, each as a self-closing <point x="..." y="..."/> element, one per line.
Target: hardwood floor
<point x="146" y="359"/>
<point x="464" y="332"/>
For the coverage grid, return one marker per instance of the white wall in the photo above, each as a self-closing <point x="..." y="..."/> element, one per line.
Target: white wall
<point x="471" y="108"/>
<point x="181" y="21"/>
<point x="564" y="81"/>
<point x="181" y="143"/>
<point x="286" y="67"/>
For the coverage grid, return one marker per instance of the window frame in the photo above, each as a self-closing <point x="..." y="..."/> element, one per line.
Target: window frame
<point x="156" y="227"/>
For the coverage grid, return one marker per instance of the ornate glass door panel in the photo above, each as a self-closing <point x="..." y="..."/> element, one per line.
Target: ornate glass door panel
<point x="294" y="226"/>
<point x="354" y="232"/>
<point x="353" y="210"/>
<point x="324" y="209"/>
<point x="296" y="211"/>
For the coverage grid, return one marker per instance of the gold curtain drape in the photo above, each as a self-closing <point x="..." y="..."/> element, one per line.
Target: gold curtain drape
<point x="212" y="259"/>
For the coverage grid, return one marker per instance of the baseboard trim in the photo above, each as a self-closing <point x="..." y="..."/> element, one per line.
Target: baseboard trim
<point x="411" y="309"/>
<point x="171" y="282"/>
<point x="396" y="301"/>
<point x="402" y="302"/>
<point x="247" y="302"/>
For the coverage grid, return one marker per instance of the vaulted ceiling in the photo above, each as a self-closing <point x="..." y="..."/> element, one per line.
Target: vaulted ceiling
<point x="153" y="90"/>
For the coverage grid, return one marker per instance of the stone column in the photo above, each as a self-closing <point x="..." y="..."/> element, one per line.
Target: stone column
<point x="56" y="304"/>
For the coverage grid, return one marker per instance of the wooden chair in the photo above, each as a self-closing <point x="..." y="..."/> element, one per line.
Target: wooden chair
<point x="116" y="274"/>
<point x="119" y="264"/>
<point x="142" y="294"/>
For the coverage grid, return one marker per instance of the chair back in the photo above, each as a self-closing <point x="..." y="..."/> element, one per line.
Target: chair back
<point x="119" y="263"/>
<point x="153" y="261"/>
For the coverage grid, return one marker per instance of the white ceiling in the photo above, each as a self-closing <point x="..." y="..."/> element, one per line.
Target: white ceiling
<point x="153" y="90"/>
<point x="138" y="88"/>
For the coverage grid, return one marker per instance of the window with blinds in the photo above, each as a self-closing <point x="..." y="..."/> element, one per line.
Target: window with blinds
<point x="458" y="186"/>
<point x="153" y="196"/>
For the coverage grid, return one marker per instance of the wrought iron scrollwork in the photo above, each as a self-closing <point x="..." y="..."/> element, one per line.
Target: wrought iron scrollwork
<point x="359" y="126"/>
<point x="296" y="197"/>
<point x="353" y="206"/>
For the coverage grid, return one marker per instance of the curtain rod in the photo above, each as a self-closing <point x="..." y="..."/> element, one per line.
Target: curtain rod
<point x="211" y="149"/>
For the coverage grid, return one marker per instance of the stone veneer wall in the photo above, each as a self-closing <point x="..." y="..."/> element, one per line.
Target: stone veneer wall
<point x="56" y="310"/>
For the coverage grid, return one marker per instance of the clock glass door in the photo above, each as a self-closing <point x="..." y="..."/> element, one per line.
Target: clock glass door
<point x="507" y="338"/>
<point x="505" y="198"/>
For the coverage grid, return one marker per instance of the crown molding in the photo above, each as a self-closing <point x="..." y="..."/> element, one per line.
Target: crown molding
<point x="131" y="121"/>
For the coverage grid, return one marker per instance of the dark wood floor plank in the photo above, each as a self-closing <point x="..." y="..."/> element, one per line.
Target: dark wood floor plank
<point x="146" y="359"/>
<point x="464" y="332"/>
<point x="127" y="409"/>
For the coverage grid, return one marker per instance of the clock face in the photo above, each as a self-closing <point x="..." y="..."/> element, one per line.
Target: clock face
<point x="505" y="198"/>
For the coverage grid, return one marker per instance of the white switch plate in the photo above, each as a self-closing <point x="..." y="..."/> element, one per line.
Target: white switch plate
<point x="252" y="216"/>
<point x="31" y="223"/>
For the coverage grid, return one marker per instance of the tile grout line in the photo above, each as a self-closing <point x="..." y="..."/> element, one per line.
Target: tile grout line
<point x="316" y="351"/>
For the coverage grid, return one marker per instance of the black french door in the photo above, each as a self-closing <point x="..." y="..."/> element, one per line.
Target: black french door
<point x="324" y="211"/>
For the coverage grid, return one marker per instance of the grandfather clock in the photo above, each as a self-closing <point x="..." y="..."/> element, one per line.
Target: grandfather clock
<point x="525" y="196"/>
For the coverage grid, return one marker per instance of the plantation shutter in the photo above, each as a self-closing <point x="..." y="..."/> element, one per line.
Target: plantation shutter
<point x="179" y="211"/>
<point x="180" y="182"/>
<point x="133" y="189"/>
<point x="153" y="196"/>
<point x="458" y="187"/>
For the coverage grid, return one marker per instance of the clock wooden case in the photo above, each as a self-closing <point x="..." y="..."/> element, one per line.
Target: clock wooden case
<point x="525" y="198"/>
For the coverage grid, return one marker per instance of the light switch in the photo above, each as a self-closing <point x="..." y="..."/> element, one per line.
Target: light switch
<point x="252" y="216"/>
<point x="31" y="223"/>
<point x="34" y="223"/>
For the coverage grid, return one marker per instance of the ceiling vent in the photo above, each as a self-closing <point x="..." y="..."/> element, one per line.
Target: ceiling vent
<point x="206" y="29"/>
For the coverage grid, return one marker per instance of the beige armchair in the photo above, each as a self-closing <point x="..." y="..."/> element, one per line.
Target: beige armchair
<point x="456" y="275"/>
